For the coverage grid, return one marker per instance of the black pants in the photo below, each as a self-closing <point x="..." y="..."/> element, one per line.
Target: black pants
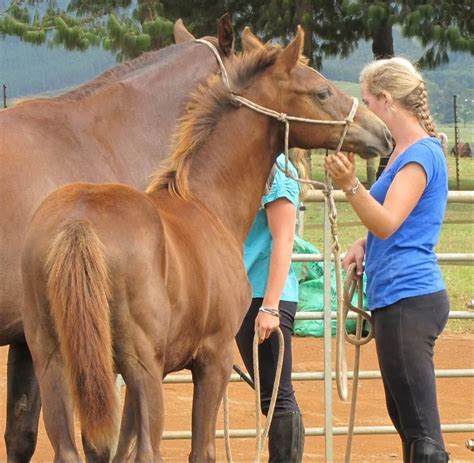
<point x="405" y="335"/>
<point x="268" y="356"/>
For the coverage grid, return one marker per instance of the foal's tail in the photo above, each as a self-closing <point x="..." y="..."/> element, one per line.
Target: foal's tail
<point x="78" y="288"/>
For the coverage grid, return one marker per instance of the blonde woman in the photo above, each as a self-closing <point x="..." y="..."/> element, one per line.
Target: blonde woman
<point x="403" y="212"/>
<point x="267" y="256"/>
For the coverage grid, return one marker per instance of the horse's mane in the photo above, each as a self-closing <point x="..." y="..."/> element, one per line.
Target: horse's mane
<point x="203" y="110"/>
<point x="142" y="63"/>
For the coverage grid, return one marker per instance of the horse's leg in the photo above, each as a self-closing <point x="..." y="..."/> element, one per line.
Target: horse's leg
<point x="144" y="407"/>
<point x="57" y="407"/>
<point x="125" y="452"/>
<point x="211" y="373"/>
<point x="23" y="405"/>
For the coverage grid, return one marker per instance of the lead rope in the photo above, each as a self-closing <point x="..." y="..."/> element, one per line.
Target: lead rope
<point x="350" y="286"/>
<point x="261" y="437"/>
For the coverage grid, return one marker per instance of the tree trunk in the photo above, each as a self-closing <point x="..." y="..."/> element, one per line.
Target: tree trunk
<point x="382" y="41"/>
<point x="382" y="47"/>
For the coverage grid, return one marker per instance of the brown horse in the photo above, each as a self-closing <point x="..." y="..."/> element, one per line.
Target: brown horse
<point x="113" y="129"/>
<point x="145" y="284"/>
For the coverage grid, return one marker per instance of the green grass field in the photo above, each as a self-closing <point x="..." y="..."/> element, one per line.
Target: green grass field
<point x="456" y="235"/>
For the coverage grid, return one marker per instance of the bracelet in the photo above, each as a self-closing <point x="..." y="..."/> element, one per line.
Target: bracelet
<point x="353" y="190"/>
<point x="269" y="311"/>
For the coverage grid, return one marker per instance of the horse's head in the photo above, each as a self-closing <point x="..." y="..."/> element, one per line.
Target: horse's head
<point x="303" y="92"/>
<point x="225" y="35"/>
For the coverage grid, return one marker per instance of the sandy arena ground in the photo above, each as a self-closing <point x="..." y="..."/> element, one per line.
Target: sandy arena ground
<point x="456" y="400"/>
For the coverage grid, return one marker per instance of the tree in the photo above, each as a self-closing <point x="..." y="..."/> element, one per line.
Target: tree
<point x="124" y="26"/>
<point x="334" y="27"/>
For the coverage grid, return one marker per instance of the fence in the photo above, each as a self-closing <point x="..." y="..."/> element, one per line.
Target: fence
<point x="328" y="431"/>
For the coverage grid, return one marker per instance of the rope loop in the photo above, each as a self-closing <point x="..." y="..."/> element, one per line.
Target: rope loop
<point x="261" y="436"/>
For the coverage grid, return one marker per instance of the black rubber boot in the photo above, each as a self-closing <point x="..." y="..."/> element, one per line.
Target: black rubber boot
<point x="427" y="450"/>
<point x="286" y="438"/>
<point x="406" y="446"/>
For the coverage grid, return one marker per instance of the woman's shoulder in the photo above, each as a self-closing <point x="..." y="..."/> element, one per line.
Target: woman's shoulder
<point x="427" y="150"/>
<point x="281" y="185"/>
<point x="429" y="154"/>
<point x="281" y="161"/>
<point x="427" y="146"/>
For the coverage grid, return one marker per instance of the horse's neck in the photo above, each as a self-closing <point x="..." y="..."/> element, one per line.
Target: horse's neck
<point x="136" y="114"/>
<point x="230" y="173"/>
<point x="158" y="90"/>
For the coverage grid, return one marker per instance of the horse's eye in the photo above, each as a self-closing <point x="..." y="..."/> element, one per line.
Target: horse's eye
<point x="323" y="94"/>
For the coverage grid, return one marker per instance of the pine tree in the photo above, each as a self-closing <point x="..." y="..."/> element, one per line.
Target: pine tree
<point x="334" y="27"/>
<point x="127" y="27"/>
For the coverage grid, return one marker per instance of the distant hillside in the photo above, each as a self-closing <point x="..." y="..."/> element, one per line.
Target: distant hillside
<point x="457" y="77"/>
<point x="30" y="70"/>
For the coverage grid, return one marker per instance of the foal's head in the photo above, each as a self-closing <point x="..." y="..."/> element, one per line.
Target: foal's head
<point x="290" y="86"/>
<point x="278" y="79"/>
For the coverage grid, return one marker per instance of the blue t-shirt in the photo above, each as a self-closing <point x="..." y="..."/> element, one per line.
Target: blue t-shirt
<point x="258" y="245"/>
<point x="404" y="265"/>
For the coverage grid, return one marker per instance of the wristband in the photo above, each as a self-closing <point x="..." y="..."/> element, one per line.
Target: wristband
<point x="353" y="190"/>
<point x="269" y="311"/>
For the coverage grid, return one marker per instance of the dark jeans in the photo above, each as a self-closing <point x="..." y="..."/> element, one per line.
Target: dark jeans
<point x="405" y="335"/>
<point x="268" y="356"/>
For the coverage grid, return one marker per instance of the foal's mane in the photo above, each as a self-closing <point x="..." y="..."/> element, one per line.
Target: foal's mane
<point x="203" y="110"/>
<point x="126" y="69"/>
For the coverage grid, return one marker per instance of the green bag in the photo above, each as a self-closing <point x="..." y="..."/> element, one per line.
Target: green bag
<point x="310" y="277"/>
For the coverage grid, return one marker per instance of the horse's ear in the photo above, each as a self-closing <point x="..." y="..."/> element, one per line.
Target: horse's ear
<point x="250" y="42"/>
<point x="291" y="54"/>
<point x="181" y="34"/>
<point x="225" y="35"/>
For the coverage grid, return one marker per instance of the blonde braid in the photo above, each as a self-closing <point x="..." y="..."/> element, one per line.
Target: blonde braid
<point x="422" y="112"/>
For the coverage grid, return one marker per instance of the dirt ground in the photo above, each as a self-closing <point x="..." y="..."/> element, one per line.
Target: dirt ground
<point x="456" y="400"/>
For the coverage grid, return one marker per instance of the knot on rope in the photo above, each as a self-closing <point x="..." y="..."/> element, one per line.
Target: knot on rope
<point x="334" y="228"/>
<point x="282" y="117"/>
<point x="327" y="191"/>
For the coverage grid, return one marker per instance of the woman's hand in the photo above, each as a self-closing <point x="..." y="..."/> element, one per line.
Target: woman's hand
<point x="355" y="255"/>
<point x="342" y="169"/>
<point x="265" y="325"/>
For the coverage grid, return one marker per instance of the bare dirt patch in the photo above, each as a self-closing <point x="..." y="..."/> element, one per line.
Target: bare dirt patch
<point x="456" y="400"/>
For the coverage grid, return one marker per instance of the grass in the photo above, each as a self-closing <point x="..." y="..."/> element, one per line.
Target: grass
<point x="456" y="235"/>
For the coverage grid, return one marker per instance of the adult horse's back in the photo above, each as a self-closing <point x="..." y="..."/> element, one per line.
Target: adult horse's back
<point x="115" y="128"/>
<point x="150" y="283"/>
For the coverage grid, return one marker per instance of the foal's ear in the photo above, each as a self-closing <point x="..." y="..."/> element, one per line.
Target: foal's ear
<point x="291" y="54"/>
<point x="225" y="35"/>
<point x="250" y="42"/>
<point x="181" y="34"/>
